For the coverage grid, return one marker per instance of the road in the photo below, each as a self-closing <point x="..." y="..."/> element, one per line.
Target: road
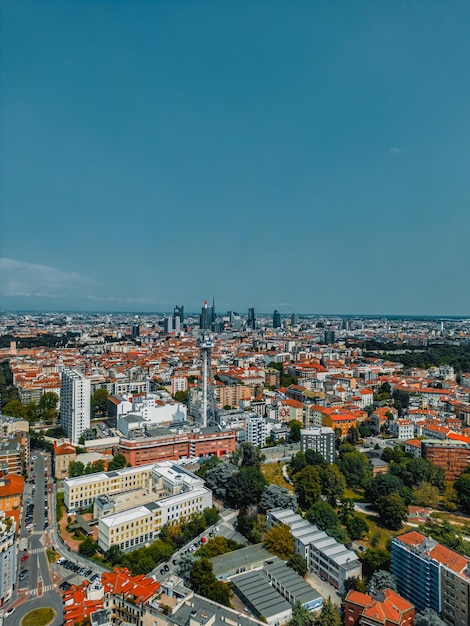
<point x="38" y="588"/>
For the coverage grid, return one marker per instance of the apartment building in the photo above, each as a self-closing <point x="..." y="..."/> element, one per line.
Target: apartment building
<point x="74" y="404"/>
<point x="320" y="439"/>
<point x="402" y="429"/>
<point x="256" y="430"/>
<point x="432" y="575"/>
<point x="8" y="558"/>
<point x="11" y="493"/>
<point x="63" y="455"/>
<point x="387" y="608"/>
<point x="450" y="454"/>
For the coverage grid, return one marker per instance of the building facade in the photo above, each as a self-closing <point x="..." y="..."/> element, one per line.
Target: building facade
<point x="8" y="559"/>
<point x="75" y="404"/>
<point x="321" y="439"/>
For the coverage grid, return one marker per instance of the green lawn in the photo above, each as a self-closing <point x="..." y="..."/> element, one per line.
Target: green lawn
<point x="273" y="474"/>
<point x="39" y="617"/>
<point x="354" y="494"/>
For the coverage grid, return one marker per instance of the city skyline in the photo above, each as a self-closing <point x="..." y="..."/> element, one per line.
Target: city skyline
<point x="307" y="157"/>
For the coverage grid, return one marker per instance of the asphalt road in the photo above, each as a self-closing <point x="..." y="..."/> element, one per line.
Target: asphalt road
<point x="32" y="543"/>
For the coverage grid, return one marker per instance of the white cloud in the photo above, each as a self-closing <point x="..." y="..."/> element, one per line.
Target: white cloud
<point x="29" y="279"/>
<point x="395" y="150"/>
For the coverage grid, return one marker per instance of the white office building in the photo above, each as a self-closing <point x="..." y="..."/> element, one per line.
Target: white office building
<point x="75" y="395"/>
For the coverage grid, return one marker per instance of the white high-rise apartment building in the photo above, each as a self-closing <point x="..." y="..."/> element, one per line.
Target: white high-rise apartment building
<point x="74" y="404"/>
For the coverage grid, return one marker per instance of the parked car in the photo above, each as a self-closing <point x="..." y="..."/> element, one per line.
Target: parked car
<point x="24" y="574"/>
<point x="25" y="557"/>
<point x="9" y="612"/>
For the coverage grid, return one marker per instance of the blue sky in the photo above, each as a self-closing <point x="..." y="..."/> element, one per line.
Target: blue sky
<point x="309" y="156"/>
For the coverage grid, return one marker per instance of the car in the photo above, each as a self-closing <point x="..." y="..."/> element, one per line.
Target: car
<point x="25" y="557"/>
<point x="33" y="458"/>
<point x="162" y="571"/>
<point x="9" y="612"/>
<point x="88" y="572"/>
<point x="24" y="574"/>
<point x="29" y="526"/>
<point x="76" y="568"/>
<point x="166" y="568"/>
<point x="94" y="577"/>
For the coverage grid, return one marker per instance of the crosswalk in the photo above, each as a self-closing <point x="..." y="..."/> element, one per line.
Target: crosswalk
<point x="45" y="589"/>
<point x="35" y="550"/>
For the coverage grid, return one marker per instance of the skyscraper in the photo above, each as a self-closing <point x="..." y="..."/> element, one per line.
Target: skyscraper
<point x="251" y="321"/>
<point x="205" y="319"/>
<point x="178" y="311"/>
<point x="74" y="404"/>
<point x="276" y="319"/>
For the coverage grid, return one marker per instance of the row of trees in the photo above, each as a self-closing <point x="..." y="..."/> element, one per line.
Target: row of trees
<point x="77" y="468"/>
<point x="45" y="410"/>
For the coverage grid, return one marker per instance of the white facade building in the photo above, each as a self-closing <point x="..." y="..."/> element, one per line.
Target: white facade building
<point x="75" y="404"/>
<point x="256" y="430"/>
<point x="8" y="559"/>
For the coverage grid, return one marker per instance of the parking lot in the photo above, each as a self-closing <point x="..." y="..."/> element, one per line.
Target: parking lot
<point x="73" y="573"/>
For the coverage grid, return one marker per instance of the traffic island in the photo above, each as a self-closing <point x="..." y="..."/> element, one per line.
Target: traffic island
<point x="39" y="617"/>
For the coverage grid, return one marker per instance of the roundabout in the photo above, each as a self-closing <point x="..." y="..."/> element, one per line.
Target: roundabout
<point x="42" y="616"/>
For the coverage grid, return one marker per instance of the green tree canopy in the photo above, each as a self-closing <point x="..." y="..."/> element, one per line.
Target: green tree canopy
<point x="298" y="564"/>
<point x="356" y="527"/>
<point x="307" y="486"/>
<point x="204" y="582"/>
<point x="392" y="510"/>
<point x="246" y="486"/>
<point x="99" y="402"/>
<point x="279" y="541"/>
<point x="87" y="547"/>
<point x="329" y="615"/>
<point x="247" y="455"/>
<point x="332" y="482"/>
<point x="118" y="462"/>
<point x="356" y="468"/>
<point x="294" y="430"/>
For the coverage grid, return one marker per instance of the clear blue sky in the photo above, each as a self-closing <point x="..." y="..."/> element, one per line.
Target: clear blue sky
<point x="309" y="156"/>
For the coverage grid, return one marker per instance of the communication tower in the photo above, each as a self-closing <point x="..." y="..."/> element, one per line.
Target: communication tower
<point x="206" y="343"/>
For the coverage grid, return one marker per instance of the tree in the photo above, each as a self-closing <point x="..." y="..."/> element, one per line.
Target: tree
<point x="353" y="435"/>
<point x="382" y="485"/>
<point x="87" y="547"/>
<point x="14" y="408"/>
<point x="356" y="468"/>
<point x="208" y="464"/>
<point x="181" y="396"/>
<point x="113" y="555"/>
<point x="462" y="487"/>
<point x="356" y="527"/>
<point x="355" y="583"/>
<point x="217" y="545"/>
<point x="203" y="581"/>
<point x="99" y="402"/>
<point x="294" y="430"/>
<point x="392" y="510"/>
<point x="329" y="615"/>
<point x="76" y="468"/>
<point x="247" y="455"/>
<point x="49" y="401"/>
<point x="428" y="617"/>
<point x="118" y="462"/>
<point x="298" y="564"/>
<point x="426" y="495"/>
<point x="279" y="541"/>
<point x="301" y="616"/>
<point x="297" y="463"/>
<point x="374" y="559"/>
<point x="246" y="486"/>
<point x="184" y="566"/>
<point x="323" y="515"/>
<point x="218" y="478"/>
<point x="332" y="482"/>
<point x="381" y="580"/>
<point x="307" y="486"/>
<point x="276" y="497"/>
<point x="312" y="457"/>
